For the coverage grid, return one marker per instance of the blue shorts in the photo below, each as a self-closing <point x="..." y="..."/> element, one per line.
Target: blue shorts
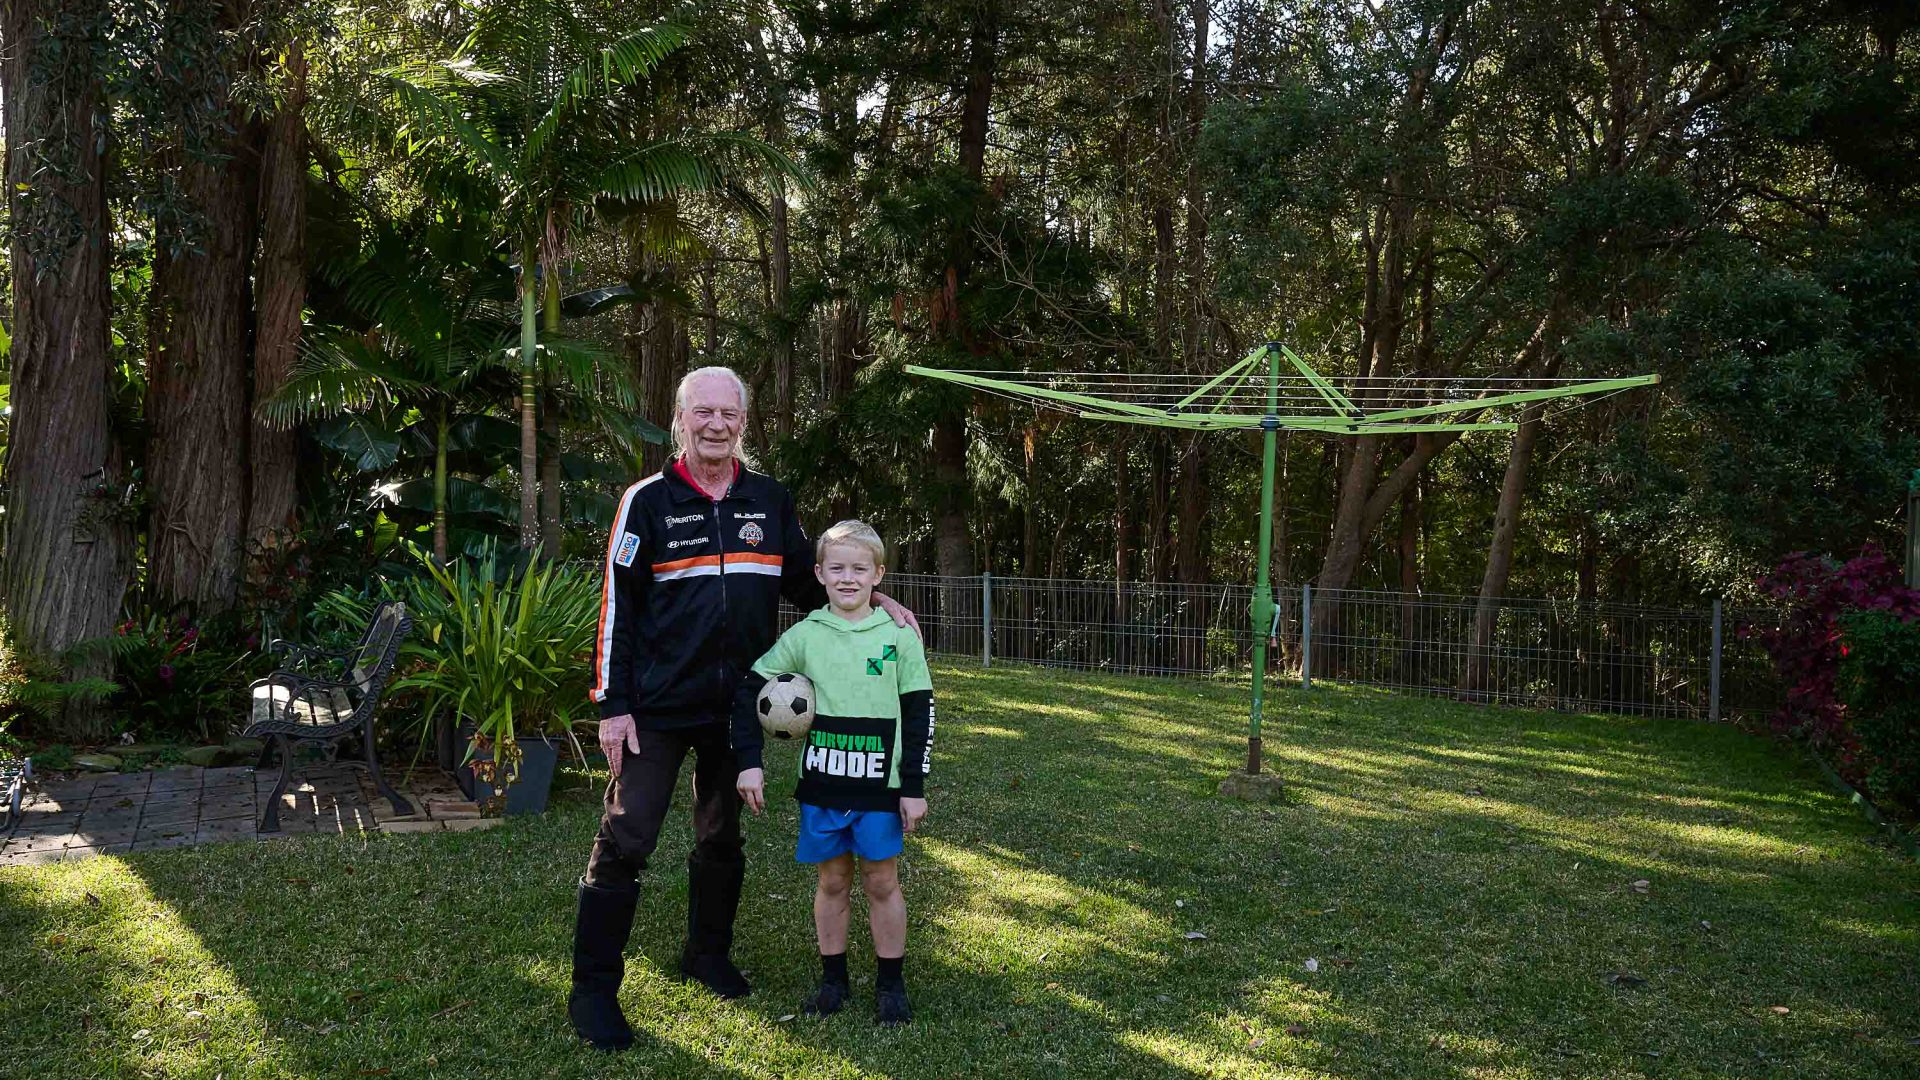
<point x="826" y="834"/>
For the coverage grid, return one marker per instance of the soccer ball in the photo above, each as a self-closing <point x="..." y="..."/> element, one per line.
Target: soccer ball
<point x="786" y="706"/>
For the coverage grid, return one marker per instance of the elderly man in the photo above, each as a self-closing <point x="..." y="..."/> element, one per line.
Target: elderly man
<point x="700" y="555"/>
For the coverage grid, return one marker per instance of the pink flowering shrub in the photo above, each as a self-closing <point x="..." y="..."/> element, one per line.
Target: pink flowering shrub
<point x="1823" y="601"/>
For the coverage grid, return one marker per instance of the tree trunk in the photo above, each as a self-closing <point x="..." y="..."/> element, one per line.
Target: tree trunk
<point x="953" y="545"/>
<point x="550" y="525"/>
<point x="67" y="544"/>
<point x="440" y="485"/>
<point x="781" y="258"/>
<point x="1159" y="507"/>
<point x="1190" y="552"/>
<point x="1506" y="525"/>
<point x="274" y="496"/>
<point x="197" y="387"/>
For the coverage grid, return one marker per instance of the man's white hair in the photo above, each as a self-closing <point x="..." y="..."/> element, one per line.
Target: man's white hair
<point x="680" y="438"/>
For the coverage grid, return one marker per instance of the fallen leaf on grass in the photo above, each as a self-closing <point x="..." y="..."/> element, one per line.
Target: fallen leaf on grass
<point x="1311" y="965"/>
<point x="92" y="900"/>
<point x="1476" y="791"/>
<point x="1256" y="1043"/>
<point x="56" y="941"/>
<point x="1053" y="986"/>
<point x="1295" y="1030"/>
<point x="355" y="995"/>
<point x="1343" y="961"/>
<point x="143" y="1034"/>
<point x="298" y="881"/>
<point x="1195" y="935"/>
<point x="785" y="1018"/>
<point x="1626" y="981"/>
<point x="451" y="1009"/>
<point x="1179" y="903"/>
<point x="1781" y="1010"/>
<point x="1640" y="886"/>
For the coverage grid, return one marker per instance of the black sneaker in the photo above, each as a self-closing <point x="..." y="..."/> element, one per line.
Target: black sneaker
<point x="890" y="1006"/>
<point x="828" y="998"/>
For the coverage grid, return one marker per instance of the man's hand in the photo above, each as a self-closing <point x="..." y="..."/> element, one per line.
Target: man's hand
<point x="911" y="811"/>
<point x="617" y="733"/>
<point x="752" y="786"/>
<point x="898" y="612"/>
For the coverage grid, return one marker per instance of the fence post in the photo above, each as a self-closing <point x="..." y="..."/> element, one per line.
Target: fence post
<point x="1306" y="637"/>
<point x="986" y="620"/>
<point x="1713" y="668"/>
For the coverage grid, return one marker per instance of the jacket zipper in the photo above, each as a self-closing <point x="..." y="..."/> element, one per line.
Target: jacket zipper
<point x="720" y="545"/>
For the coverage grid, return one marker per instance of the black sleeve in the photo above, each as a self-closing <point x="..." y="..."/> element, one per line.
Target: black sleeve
<point x="797" y="582"/>
<point x="629" y="575"/>
<point x="916" y="731"/>
<point x="746" y="737"/>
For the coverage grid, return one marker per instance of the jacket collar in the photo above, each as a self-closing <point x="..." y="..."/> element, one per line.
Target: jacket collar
<point x="680" y="481"/>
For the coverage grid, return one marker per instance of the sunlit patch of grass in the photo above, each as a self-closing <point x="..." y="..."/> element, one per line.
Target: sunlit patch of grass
<point x="1446" y="892"/>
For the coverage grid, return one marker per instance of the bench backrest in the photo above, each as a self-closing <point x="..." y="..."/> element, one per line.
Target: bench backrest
<point x="373" y="661"/>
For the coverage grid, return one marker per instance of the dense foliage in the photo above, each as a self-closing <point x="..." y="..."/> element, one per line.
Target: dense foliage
<point x="1847" y="647"/>
<point x="380" y="270"/>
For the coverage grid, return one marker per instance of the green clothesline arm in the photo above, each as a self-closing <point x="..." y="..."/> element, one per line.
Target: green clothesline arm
<point x="1337" y="400"/>
<point x="1046" y="393"/>
<point x="1516" y="398"/>
<point x="1245" y="362"/>
<point x="1331" y="425"/>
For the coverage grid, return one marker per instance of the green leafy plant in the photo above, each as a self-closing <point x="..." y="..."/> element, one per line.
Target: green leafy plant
<point x="505" y="647"/>
<point x="174" y="677"/>
<point x="1879" y="684"/>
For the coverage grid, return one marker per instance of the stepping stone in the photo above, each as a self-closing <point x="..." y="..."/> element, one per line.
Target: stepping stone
<point x="36" y="824"/>
<point x="94" y="837"/>
<point x="87" y="852"/>
<point x="97" y="762"/>
<point x="171" y="815"/>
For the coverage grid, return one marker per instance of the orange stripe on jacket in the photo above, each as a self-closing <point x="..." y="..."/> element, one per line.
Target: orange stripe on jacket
<point x="682" y="564"/>
<point x="764" y="560"/>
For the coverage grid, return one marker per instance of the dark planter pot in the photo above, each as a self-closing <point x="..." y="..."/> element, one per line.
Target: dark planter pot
<point x="528" y="793"/>
<point x="446" y="743"/>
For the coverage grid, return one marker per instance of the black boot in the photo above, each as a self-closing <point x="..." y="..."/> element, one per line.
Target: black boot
<point x="600" y="930"/>
<point x="713" y="896"/>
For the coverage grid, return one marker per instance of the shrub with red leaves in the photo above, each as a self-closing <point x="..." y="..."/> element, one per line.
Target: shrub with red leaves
<point x="1809" y="644"/>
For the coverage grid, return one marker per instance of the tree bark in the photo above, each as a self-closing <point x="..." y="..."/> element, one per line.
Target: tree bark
<point x="1506" y="523"/>
<point x="274" y="495"/>
<point x="782" y="266"/>
<point x="197" y="386"/>
<point x="67" y="545"/>
<point x="953" y="547"/>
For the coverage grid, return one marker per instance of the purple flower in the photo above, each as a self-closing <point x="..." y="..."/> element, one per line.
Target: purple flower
<point x="193" y="634"/>
<point x="165" y="671"/>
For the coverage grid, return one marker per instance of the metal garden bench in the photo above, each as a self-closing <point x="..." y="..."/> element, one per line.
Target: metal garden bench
<point x="323" y="697"/>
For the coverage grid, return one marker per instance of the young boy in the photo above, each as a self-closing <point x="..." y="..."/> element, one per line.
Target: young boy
<point x="864" y="764"/>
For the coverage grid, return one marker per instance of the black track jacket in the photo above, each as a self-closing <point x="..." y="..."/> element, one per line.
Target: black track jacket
<point x="692" y="595"/>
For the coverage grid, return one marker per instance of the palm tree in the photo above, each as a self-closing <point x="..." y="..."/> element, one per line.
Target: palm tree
<point x="534" y="117"/>
<point x="435" y="311"/>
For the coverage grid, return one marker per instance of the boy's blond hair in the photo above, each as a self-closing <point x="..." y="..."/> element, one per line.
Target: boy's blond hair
<point x="852" y="532"/>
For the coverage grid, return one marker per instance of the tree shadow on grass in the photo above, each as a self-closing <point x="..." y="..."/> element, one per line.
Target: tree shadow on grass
<point x="1462" y="879"/>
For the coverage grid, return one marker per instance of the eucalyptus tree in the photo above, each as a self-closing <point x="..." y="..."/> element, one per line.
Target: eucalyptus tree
<point x="544" y="112"/>
<point x="67" y="541"/>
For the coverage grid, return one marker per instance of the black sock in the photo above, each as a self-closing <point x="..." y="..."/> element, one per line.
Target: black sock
<point x="834" y="968"/>
<point x="888" y="976"/>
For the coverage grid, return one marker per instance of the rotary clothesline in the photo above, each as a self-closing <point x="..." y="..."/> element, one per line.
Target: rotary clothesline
<point x="1242" y="398"/>
<point x="1237" y="399"/>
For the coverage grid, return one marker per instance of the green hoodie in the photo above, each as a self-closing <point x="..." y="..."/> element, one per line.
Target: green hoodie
<point x="872" y="736"/>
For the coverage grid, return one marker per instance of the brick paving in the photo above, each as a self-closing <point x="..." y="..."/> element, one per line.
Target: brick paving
<point x="124" y="812"/>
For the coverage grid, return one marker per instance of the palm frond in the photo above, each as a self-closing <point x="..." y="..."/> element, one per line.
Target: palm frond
<point x="625" y="61"/>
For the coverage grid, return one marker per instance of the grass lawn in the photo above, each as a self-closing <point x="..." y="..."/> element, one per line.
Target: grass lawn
<point x="1461" y="878"/>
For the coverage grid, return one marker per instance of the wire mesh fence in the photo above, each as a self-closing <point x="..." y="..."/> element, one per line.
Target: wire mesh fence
<point x="1553" y="654"/>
